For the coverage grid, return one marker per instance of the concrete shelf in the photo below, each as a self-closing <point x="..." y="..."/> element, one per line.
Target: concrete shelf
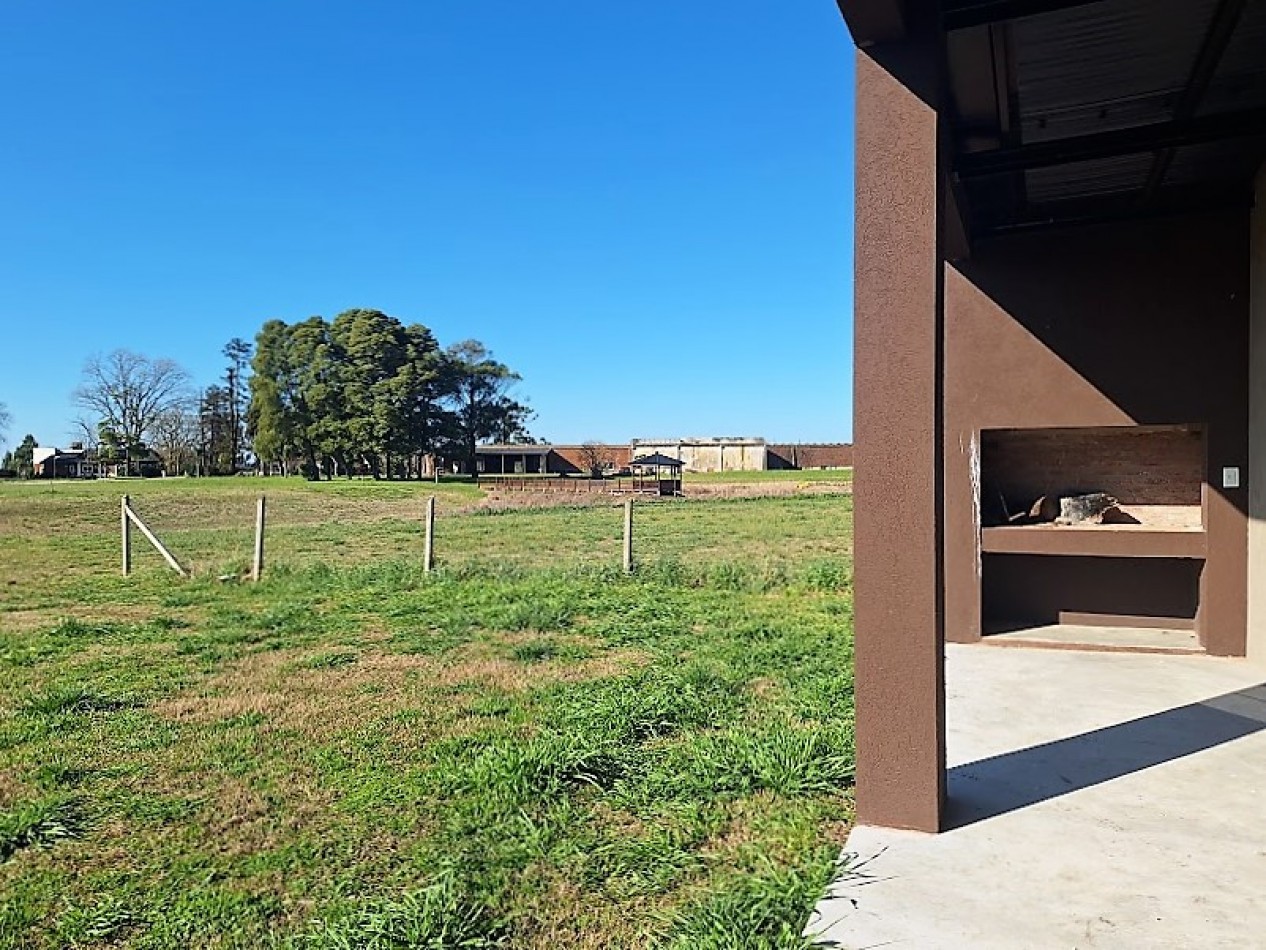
<point x="1095" y="541"/>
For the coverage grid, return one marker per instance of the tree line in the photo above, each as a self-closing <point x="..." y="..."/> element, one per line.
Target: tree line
<point x="361" y="394"/>
<point x="364" y="392"/>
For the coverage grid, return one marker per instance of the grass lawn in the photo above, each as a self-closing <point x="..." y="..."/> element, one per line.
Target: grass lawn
<point x="525" y="749"/>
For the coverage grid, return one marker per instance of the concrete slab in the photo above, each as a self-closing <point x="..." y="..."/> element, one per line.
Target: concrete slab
<point x="1068" y="635"/>
<point x="1098" y="800"/>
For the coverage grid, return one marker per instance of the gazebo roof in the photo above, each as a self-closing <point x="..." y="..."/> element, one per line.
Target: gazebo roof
<point x="658" y="460"/>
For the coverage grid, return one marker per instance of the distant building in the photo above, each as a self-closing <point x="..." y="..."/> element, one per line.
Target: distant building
<point x="549" y="459"/>
<point x="51" y="462"/>
<point x="77" y="462"/>
<point x="810" y="455"/>
<point x="722" y="454"/>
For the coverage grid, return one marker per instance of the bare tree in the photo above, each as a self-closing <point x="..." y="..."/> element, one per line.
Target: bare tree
<point x="596" y="458"/>
<point x="85" y="432"/>
<point x="128" y="392"/>
<point x="175" y="437"/>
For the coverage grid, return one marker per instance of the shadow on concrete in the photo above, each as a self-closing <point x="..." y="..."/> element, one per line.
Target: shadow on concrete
<point x="1014" y="780"/>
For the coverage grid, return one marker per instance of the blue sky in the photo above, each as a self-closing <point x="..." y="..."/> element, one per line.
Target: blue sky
<point x="645" y="209"/>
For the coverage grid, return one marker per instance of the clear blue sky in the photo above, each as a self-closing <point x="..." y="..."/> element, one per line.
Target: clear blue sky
<point x="645" y="209"/>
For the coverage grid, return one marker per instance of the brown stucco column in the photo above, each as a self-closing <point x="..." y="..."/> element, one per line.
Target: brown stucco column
<point x="899" y="647"/>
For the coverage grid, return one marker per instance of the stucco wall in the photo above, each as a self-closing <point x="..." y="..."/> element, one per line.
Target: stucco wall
<point x="708" y="455"/>
<point x="1141" y="323"/>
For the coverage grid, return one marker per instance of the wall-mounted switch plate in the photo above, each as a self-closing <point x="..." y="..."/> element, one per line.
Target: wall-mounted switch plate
<point x="1231" y="477"/>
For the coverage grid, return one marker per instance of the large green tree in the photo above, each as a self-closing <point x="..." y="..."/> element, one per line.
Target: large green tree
<point x="24" y="456"/>
<point x="280" y="420"/>
<point x="238" y="353"/>
<point x="484" y="407"/>
<point x="217" y="445"/>
<point x="359" y="393"/>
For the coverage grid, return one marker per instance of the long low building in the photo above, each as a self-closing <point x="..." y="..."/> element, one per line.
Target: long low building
<point x="551" y="459"/>
<point x="698" y="454"/>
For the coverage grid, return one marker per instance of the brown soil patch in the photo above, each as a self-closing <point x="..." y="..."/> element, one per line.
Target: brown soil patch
<point x="322" y="703"/>
<point x="12" y="790"/>
<point x="41" y="618"/>
<point x="503" y="499"/>
<point x="767" y="489"/>
<point x="562" y="915"/>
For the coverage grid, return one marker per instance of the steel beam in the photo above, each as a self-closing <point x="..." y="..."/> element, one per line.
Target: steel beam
<point x="962" y="14"/>
<point x="1143" y="138"/>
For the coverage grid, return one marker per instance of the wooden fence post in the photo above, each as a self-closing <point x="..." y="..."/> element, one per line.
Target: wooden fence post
<point x="125" y="527"/>
<point x="428" y="553"/>
<point x="152" y="538"/>
<point x="628" y="536"/>
<point x="257" y="563"/>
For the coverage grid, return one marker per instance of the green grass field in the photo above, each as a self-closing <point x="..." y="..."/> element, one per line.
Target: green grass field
<point x="524" y="749"/>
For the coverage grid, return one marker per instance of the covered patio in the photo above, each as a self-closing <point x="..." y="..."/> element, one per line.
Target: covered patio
<point x="1096" y="800"/>
<point x="1060" y="298"/>
<point x="1060" y="294"/>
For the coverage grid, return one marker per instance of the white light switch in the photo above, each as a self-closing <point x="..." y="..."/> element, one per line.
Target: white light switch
<point x="1231" y="477"/>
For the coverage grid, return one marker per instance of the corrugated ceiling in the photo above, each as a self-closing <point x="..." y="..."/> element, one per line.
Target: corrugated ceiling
<point x="1240" y="81"/>
<point x="1103" y="176"/>
<point x="1105" y="66"/>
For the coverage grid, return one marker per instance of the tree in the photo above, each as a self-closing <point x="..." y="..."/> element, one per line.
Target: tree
<point x="24" y="457"/>
<point x="371" y="349"/>
<point x="128" y="392"/>
<point x="361" y="393"/>
<point x="176" y="439"/>
<point x="5" y="421"/>
<point x="215" y="432"/>
<point x="596" y="458"/>
<point x="87" y="433"/>
<point x="425" y="383"/>
<point x="272" y="420"/>
<point x="238" y="352"/>
<point x="481" y="396"/>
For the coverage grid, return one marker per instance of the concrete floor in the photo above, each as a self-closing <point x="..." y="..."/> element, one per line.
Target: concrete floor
<point x="1155" y="639"/>
<point x="1099" y="800"/>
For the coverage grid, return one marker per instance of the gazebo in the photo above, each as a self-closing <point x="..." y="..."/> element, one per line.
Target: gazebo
<point x="657" y="472"/>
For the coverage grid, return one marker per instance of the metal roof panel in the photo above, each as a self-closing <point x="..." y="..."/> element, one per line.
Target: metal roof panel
<point x="1109" y="65"/>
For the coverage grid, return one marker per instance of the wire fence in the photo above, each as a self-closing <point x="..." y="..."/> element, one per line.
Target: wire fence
<point x="73" y="538"/>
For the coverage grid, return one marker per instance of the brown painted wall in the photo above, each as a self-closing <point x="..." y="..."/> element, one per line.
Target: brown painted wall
<point x="1141" y="323"/>
<point x="810" y="455"/>
<point x="899" y="690"/>
<point x="1135" y="588"/>
<point x="572" y="458"/>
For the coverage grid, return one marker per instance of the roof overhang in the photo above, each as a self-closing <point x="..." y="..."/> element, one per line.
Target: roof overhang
<point x="1068" y="111"/>
<point x="874" y="21"/>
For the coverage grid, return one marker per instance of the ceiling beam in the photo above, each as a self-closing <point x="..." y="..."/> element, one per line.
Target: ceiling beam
<point x="962" y="14"/>
<point x="1221" y="28"/>
<point x="1131" y="141"/>
<point x="1121" y="206"/>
